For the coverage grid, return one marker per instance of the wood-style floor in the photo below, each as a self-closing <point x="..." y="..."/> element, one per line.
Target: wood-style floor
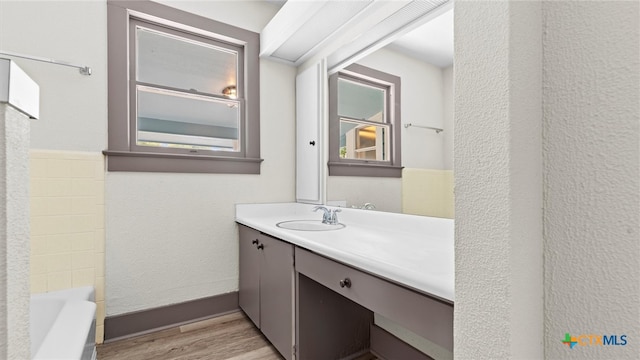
<point x="228" y="337"/>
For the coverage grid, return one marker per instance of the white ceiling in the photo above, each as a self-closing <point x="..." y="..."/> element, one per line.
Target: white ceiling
<point x="432" y="42"/>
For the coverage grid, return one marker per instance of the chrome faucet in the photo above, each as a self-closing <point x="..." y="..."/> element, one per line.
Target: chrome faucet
<point x="366" y="206"/>
<point x="329" y="217"/>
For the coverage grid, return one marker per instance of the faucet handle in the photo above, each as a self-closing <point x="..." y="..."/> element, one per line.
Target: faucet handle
<point x="320" y="208"/>
<point x="333" y="218"/>
<point x="326" y="216"/>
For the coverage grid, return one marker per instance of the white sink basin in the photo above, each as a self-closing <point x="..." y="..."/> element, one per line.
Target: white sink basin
<point x="308" y="225"/>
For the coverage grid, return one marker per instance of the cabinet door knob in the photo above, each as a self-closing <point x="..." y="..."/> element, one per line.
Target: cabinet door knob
<point x="260" y="247"/>
<point x="345" y="283"/>
<point x="255" y="241"/>
<point x="312" y="143"/>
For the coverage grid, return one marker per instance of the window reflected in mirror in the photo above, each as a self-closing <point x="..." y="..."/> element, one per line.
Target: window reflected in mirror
<point x="361" y="109"/>
<point x="357" y="100"/>
<point x="363" y="141"/>
<point x="364" y="123"/>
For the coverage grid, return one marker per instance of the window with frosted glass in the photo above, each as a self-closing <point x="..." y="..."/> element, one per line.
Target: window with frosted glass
<point x="188" y="94"/>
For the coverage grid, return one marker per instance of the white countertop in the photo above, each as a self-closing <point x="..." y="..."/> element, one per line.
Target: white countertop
<point x="414" y="251"/>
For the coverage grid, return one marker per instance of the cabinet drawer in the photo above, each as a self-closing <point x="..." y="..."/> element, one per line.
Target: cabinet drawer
<point x="425" y="316"/>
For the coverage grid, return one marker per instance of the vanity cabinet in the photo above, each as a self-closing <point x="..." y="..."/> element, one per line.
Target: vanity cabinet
<point x="425" y="316"/>
<point x="266" y="288"/>
<point x="310" y="306"/>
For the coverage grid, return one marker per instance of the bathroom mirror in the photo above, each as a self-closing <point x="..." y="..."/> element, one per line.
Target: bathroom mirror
<point x="423" y="59"/>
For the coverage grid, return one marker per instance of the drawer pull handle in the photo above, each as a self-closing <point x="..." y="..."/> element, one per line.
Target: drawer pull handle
<point x="255" y="241"/>
<point x="345" y="283"/>
<point x="260" y="247"/>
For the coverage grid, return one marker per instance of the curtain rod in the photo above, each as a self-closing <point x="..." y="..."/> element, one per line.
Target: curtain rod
<point x="84" y="70"/>
<point x="437" y="130"/>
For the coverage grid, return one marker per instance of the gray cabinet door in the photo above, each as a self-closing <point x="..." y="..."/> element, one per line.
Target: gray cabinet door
<point x="249" y="286"/>
<point x="276" y="294"/>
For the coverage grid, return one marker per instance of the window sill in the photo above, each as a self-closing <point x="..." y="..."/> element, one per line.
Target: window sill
<point x="179" y="163"/>
<point x="363" y="169"/>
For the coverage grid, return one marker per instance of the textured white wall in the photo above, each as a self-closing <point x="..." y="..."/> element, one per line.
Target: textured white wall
<point x="447" y="118"/>
<point x="4" y="341"/>
<point x="589" y="95"/>
<point x="498" y="183"/>
<point x="172" y="237"/>
<point x="14" y="234"/>
<point x="592" y="175"/>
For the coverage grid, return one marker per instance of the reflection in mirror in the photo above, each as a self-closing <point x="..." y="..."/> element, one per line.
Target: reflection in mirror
<point x="423" y="59"/>
<point x="361" y="109"/>
<point x="364" y="123"/>
<point x="363" y="141"/>
<point x="357" y="100"/>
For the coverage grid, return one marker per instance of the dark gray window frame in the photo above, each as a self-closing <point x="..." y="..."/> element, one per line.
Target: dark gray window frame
<point x="353" y="167"/>
<point x="122" y="154"/>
